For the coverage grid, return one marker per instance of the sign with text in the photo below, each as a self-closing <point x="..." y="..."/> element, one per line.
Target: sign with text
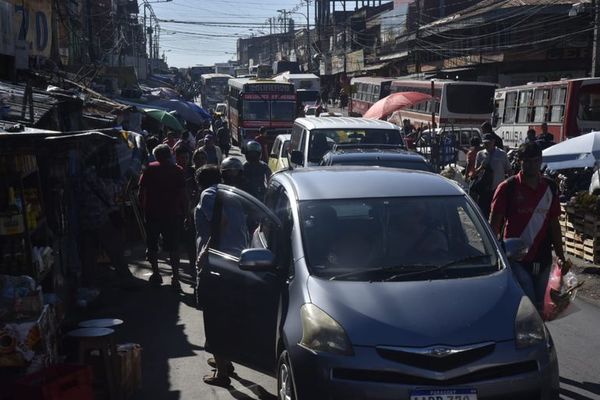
<point x="31" y="21"/>
<point x="268" y="88"/>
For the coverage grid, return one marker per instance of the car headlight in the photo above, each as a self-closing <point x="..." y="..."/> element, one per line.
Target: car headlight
<point x="322" y="333"/>
<point x="529" y="327"/>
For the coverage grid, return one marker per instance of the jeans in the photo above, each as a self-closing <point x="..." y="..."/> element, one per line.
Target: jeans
<point x="533" y="284"/>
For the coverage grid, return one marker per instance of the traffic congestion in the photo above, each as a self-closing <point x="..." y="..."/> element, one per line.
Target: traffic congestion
<point x="345" y="264"/>
<point x="374" y="200"/>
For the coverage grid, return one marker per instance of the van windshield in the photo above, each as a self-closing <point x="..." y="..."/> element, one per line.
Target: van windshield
<point x="323" y="140"/>
<point x="374" y="239"/>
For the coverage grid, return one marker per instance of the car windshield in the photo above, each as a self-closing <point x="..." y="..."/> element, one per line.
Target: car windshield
<point x="322" y="140"/>
<point x="404" y="164"/>
<point x="375" y="239"/>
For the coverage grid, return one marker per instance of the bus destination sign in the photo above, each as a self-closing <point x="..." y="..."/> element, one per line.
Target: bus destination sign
<point x="269" y="88"/>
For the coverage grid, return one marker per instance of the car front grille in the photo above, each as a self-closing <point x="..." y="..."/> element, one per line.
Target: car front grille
<point x="500" y="371"/>
<point x="422" y="358"/>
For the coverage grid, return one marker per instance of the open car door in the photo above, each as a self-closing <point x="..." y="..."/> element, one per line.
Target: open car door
<point x="240" y="306"/>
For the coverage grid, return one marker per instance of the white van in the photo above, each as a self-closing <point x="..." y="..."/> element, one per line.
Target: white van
<point x="313" y="137"/>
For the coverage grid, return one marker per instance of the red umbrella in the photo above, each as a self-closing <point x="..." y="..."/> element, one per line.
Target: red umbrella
<point x="394" y="102"/>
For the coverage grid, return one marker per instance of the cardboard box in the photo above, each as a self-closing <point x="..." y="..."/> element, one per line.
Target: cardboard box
<point x="129" y="371"/>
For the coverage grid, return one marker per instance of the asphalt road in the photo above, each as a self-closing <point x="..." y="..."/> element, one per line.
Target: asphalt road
<point x="171" y="333"/>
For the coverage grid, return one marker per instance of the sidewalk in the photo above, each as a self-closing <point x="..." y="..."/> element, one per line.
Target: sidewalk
<point x="590" y="274"/>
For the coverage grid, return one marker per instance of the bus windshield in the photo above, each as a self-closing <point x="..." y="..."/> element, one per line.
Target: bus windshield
<point x="256" y="110"/>
<point x="283" y="110"/>
<point x="589" y="104"/>
<point x="470" y="99"/>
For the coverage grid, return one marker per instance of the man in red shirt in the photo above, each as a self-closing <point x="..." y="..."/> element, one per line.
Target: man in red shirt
<point x="264" y="141"/>
<point x="527" y="207"/>
<point x="164" y="203"/>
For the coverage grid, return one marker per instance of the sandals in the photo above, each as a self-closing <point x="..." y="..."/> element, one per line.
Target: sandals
<point x="211" y="362"/>
<point x="215" y="380"/>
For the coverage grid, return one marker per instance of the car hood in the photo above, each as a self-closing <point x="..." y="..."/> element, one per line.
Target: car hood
<point x="421" y="313"/>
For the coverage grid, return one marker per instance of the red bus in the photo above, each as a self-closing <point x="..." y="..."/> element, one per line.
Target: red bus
<point x="570" y="107"/>
<point x="254" y="103"/>
<point x="366" y="91"/>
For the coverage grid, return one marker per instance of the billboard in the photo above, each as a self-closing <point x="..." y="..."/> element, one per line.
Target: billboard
<point x="31" y="26"/>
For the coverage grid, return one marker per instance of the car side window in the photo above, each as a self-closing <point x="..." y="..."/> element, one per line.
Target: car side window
<point x="296" y="137"/>
<point x="237" y="219"/>
<point x="278" y="240"/>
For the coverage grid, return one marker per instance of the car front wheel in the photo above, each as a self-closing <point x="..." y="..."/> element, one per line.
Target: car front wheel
<point x="285" y="380"/>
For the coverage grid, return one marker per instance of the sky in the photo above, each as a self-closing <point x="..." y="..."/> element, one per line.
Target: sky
<point x="187" y="44"/>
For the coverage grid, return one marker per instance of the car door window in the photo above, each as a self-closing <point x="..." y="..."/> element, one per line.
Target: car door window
<point x="237" y="218"/>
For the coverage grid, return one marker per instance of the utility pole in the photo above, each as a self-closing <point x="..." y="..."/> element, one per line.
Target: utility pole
<point x="415" y="48"/>
<point x="270" y="40"/>
<point x="91" y="54"/>
<point x="309" y="63"/>
<point x="596" y="8"/>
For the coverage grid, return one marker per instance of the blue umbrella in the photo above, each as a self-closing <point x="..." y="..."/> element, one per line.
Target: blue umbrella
<point x="578" y="152"/>
<point x="200" y="110"/>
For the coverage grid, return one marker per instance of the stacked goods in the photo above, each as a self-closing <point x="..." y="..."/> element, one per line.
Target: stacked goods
<point x="580" y="224"/>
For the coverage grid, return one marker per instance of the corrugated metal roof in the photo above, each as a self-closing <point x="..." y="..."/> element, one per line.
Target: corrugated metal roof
<point x="12" y="97"/>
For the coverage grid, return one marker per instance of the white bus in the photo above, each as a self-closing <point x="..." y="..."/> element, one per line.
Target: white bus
<point x="213" y="89"/>
<point x="454" y="103"/>
<point x="308" y="86"/>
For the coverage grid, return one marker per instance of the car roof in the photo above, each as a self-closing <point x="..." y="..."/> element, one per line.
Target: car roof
<point x="284" y="137"/>
<point x="374" y="153"/>
<point x="348" y="182"/>
<point x="344" y="123"/>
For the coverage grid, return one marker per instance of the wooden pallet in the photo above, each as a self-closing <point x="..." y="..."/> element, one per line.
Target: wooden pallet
<point x="581" y="233"/>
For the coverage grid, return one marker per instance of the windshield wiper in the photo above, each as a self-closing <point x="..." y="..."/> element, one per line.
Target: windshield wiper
<point x="380" y="270"/>
<point x="437" y="268"/>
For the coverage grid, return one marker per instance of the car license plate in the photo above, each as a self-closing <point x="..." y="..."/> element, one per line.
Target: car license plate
<point x="444" y="394"/>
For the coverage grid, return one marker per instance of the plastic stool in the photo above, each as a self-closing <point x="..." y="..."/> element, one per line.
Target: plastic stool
<point x="101" y="323"/>
<point x="103" y="341"/>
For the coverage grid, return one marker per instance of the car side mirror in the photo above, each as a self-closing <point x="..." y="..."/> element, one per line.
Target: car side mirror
<point x="515" y="249"/>
<point x="297" y="157"/>
<point x="257" y="260"/>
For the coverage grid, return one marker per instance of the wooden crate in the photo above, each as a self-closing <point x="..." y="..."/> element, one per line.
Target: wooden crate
<point x="581" y="233"/>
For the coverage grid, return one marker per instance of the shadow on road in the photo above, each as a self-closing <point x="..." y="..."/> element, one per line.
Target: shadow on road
<point x="592" y="390"/>
<point x="260" y="392"/>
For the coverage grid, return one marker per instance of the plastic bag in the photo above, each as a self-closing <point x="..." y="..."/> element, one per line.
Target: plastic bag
<point x="560" y="292"/>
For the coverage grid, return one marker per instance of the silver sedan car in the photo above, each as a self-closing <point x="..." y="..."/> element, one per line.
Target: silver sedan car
<point x="371" y="283"/>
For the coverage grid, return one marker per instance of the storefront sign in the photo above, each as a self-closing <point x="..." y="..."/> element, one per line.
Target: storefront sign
<point x="31" y="23"/>
<point x="355" y="61"/>
<point x="337" y="64"/>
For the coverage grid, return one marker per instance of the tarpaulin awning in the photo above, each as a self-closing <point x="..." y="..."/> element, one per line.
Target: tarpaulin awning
<point x="578" y="152"/>
<point x="394" y="102"/>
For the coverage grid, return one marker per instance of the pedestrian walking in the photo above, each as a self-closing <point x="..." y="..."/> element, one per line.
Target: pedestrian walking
<point x="188" y="233"/>
<point x="163" y="200"/>
<point x="199" y="159"/>
<point x="486" y="128"/>
<point x="256" y="172"/>
<point x="531" y="138"/>
<point x="526" y="206"/>
<point x="263" y="140"/>
<point x="492" y="167"/>
<point x="224" y="139"/>
<point x="471" y="157"/>
<point x="213" y="153"/>
<point x="545" y="139"/>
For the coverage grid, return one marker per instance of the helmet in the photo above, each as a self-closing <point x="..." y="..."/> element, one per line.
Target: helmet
<point x="231" y="163"/>
<point x="253" y="146"/>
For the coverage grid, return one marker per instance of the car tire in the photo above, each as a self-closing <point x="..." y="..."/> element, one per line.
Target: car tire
<point x="286" y="389"/>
